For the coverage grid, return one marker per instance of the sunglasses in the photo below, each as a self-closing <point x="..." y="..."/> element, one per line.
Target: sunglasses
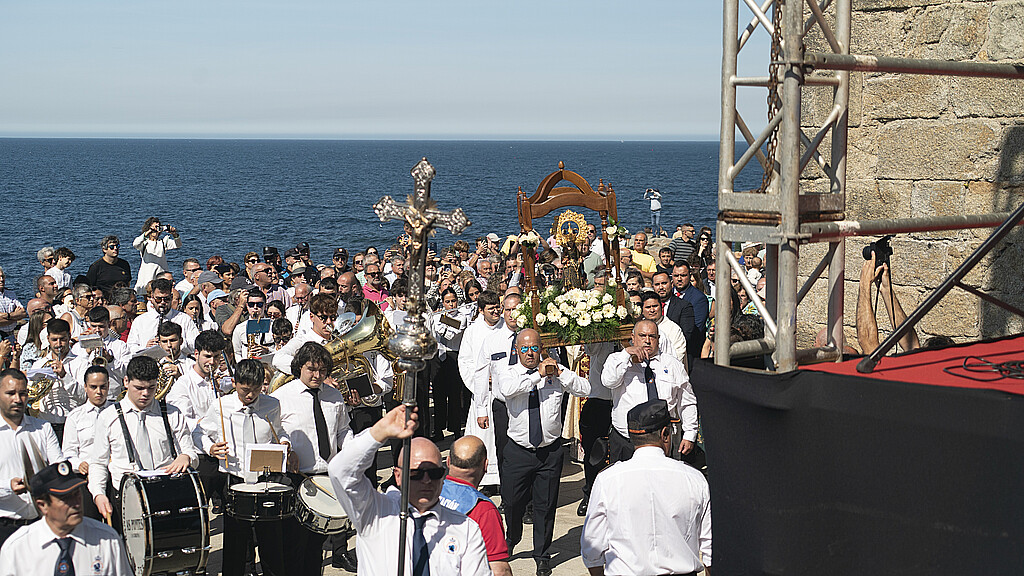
<point x="193" y="269"/>
<point x="357" y="261"/>
<point x="327" y="319"/>
<point x="112" y="246"/>
<point x="432" y="473"/>
<point x="161" y="298"/>
<point x="373" y="273"/>
<point x="256" y="304"/>
<point x="526" y="349"/>
<point x="252" y="261"/>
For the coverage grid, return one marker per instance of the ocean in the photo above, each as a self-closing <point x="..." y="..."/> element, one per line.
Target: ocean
<point x="230" y="196"/>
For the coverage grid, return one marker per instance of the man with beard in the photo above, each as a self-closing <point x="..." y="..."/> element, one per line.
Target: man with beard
<point x="144" y="328"/>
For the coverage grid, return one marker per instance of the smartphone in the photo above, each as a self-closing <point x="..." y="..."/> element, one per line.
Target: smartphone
<point x="432" y="246"/>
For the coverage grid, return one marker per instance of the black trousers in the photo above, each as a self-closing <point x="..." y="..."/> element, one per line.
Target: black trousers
<point x="538" y="471"/>
<point x="305" y="547"/>
<point x="595" y="420"/>
<point x="58" y="430"/>
<point x="448" y="396"/>
<point x="500" y="423"/>
<point x="239" y="538"/>
<point x="619" y="447"/>
<point x="213" y="480"/>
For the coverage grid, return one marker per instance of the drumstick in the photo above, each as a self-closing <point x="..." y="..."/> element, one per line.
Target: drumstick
<point x="223" y="434"/>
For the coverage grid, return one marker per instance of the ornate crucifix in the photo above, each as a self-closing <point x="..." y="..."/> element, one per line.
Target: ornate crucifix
<point x="412" y="343"/>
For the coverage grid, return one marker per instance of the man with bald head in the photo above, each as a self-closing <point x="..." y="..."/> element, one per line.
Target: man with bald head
<point x="640" y="373"/>
<point x="533" y="392"/>
<point x="31" y="306"/>
<point x="467" y="463"/>
<point x="442" y="540"/>
<point x="300" y="304"/>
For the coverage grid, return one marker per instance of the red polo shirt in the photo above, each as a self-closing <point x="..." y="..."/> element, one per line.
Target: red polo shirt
<point x="487" y="517"/>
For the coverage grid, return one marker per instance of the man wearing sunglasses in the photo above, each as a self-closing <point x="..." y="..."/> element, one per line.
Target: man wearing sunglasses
<point x="442" y="541"/>
<point x="374" y="290"/>
<point x="144" y="328"/>
<point x="533" y="390"/>
<point x="110" y="269"/>
<point x="256" y="306"/>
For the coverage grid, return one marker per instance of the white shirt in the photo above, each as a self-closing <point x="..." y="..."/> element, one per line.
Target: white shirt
<point x="265" y="413"/>
<point x="78" y="323"/>
<point x="516" y="382"/>
<point x="283" y="357"/>
<point x="472" y="340"/>
<point x="116" y="368"/>
<point x="63" y="278"/>
<point x="144" y="329"/>
<point x="493" y="357"/>
<point x="78" y="437"/>
<point x="193" y="394"/>
<point x="598" y="352"/>
<point x="655" y="197"/>
<point x="66" y="394"/>
<point x="240" y="340"/>
<point x="109" y="448"/>
<point x="449" y="338"/>
<point x="298" y="420"/>
<point x="454" y="541"/>
<point x="35" y="438"/>
<point x="648" y="515"/>
<point x="629" y="388"/>
<point x="184" y="287"/>
<point x="672" y="340"/>
<point x="33" y="551"/>
<point x="154" y="257"/>
<point x="9" y="303"/>
<point x="383" y="376"/>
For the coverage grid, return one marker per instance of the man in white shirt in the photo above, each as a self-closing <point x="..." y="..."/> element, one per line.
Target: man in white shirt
<point x="64" y="541"/>
<point x="78" y="429"/>
<point x="25" y="442"/>
<point x="650" y="514"/>
<point x="11" y="310"/>
<point x="672" y="340"/>
<point x="147" y="424"/>
<point x="439" y="541"/>
<point x="300" y="303"/>
<point x="323" y="312"/>
<point x="175" y="364"/>
<point x="316" y="419"/>
<point x="144" y="327"/>
<point x="479" y="417"/>
<point x="496" y="354"/>
<point x="83" y="301"/>
<point x="248" y="417"/>
<point x="194" y="393"/>
<point x="113" y="350"/>
<point x="190" y="269"/>
<point x="256" y="305"/>
<point x="653" y="375"/>
<point x="533" y="392"/>
<point x="67" y="393"/>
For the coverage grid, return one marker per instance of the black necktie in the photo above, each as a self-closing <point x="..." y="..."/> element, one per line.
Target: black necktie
<point x="652" y="388"/>
<point x="64" y="566"/>
<point x="512" y="356"/>
<point x="420" y="553"/>
<point x="321" y="425"/>
<point x="536" y="433"/>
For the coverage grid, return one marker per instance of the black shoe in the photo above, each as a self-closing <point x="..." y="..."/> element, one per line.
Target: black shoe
<point x="489" y="490"/>
<point x="501" y="508"/>
<point x="543" y="567"/>
<point x="528" y="515"/>
<point x="582" y="509"/>
<point x="346" y="562"/>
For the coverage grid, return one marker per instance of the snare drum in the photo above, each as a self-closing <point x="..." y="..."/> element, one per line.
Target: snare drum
<point x="165" y="523"/>
<point x="318" y="510"/>
<point x="263" y="501"/>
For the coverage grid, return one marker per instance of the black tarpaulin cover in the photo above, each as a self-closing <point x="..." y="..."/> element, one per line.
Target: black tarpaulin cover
<point x="815" y="473"/>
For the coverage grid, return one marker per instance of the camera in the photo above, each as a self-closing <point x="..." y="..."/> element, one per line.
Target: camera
<point x="881" y="248"/>
<point x="165" y="227"/>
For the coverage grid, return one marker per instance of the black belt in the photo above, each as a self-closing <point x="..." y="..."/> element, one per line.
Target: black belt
<point x="687" y="574"/>
<point x="16" y="521"/>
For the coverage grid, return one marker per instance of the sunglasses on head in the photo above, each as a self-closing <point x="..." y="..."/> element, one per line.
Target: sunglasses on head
<point x="432" y="473"/>
<point x="526" y="349"/>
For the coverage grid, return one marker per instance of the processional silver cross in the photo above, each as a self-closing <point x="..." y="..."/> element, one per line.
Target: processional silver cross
<point x="412" y="342"/>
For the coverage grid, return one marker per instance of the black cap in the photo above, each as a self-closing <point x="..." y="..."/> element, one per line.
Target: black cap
<point x="341" y="252"/>
<point x="241" y="282"/>
<point x="291" y="253"/>
<point x="651" y="416"/>
<point x="222" y="268"/>
<point x="269" y="250"/>
<point x="302" y="247"/>
<point x="57" y="479"/>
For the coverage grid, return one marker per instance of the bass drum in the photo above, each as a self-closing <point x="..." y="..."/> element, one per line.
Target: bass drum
<point x="317" y="509"/>
<point x="260" y="502"/>
<point x="165" y="523"/>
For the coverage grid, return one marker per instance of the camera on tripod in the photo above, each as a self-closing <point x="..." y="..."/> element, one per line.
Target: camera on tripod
<point x="882" y="250"/>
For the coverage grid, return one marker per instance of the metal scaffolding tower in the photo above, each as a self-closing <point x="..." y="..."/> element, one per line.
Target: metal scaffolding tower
<point x="782" y="217"/>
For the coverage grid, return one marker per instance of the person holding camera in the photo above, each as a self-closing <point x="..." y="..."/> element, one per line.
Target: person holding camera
<point x="153" y="250"/>
<point x="876" y="271"/>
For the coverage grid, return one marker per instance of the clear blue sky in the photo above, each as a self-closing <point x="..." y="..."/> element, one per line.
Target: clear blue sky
<point x="370" y="69"/>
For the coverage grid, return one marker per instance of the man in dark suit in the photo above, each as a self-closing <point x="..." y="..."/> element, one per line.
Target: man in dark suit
<point x="681" y="287"/>
<point x="676" y="309"/>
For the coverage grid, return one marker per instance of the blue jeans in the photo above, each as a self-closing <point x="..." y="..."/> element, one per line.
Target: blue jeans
<point x="655" y="221"/>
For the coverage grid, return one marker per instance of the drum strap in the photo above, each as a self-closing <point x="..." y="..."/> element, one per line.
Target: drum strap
<point x="167" y="428"/>
<point x="128" y="444"/>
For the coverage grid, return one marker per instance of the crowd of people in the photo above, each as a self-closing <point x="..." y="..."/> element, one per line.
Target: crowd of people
<point x="159" y="369"/>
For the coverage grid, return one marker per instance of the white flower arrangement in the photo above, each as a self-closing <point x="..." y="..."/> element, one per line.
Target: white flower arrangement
<point x="615" y="230"/>
<point x="530" y="238"/>
<point x="574" y="316"/>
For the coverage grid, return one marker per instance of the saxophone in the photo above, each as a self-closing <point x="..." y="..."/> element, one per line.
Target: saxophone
<point x="251" y="347"/>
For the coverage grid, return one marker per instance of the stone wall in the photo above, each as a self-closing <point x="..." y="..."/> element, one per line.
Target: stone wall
<point x="929" y="145"/>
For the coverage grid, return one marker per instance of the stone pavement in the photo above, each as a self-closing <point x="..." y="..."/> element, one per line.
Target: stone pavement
<point x="565" y="548"/>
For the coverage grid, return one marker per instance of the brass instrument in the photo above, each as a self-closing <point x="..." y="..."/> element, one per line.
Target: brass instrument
<point x="38" y="390"/>
<point x="371" y="334"/>
<point x="166" y="378"/>
<point x="252" y="346"/>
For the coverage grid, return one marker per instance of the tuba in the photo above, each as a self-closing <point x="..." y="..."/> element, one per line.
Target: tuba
<point x="38" y="390"/>
<point x="370" y="334"/>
